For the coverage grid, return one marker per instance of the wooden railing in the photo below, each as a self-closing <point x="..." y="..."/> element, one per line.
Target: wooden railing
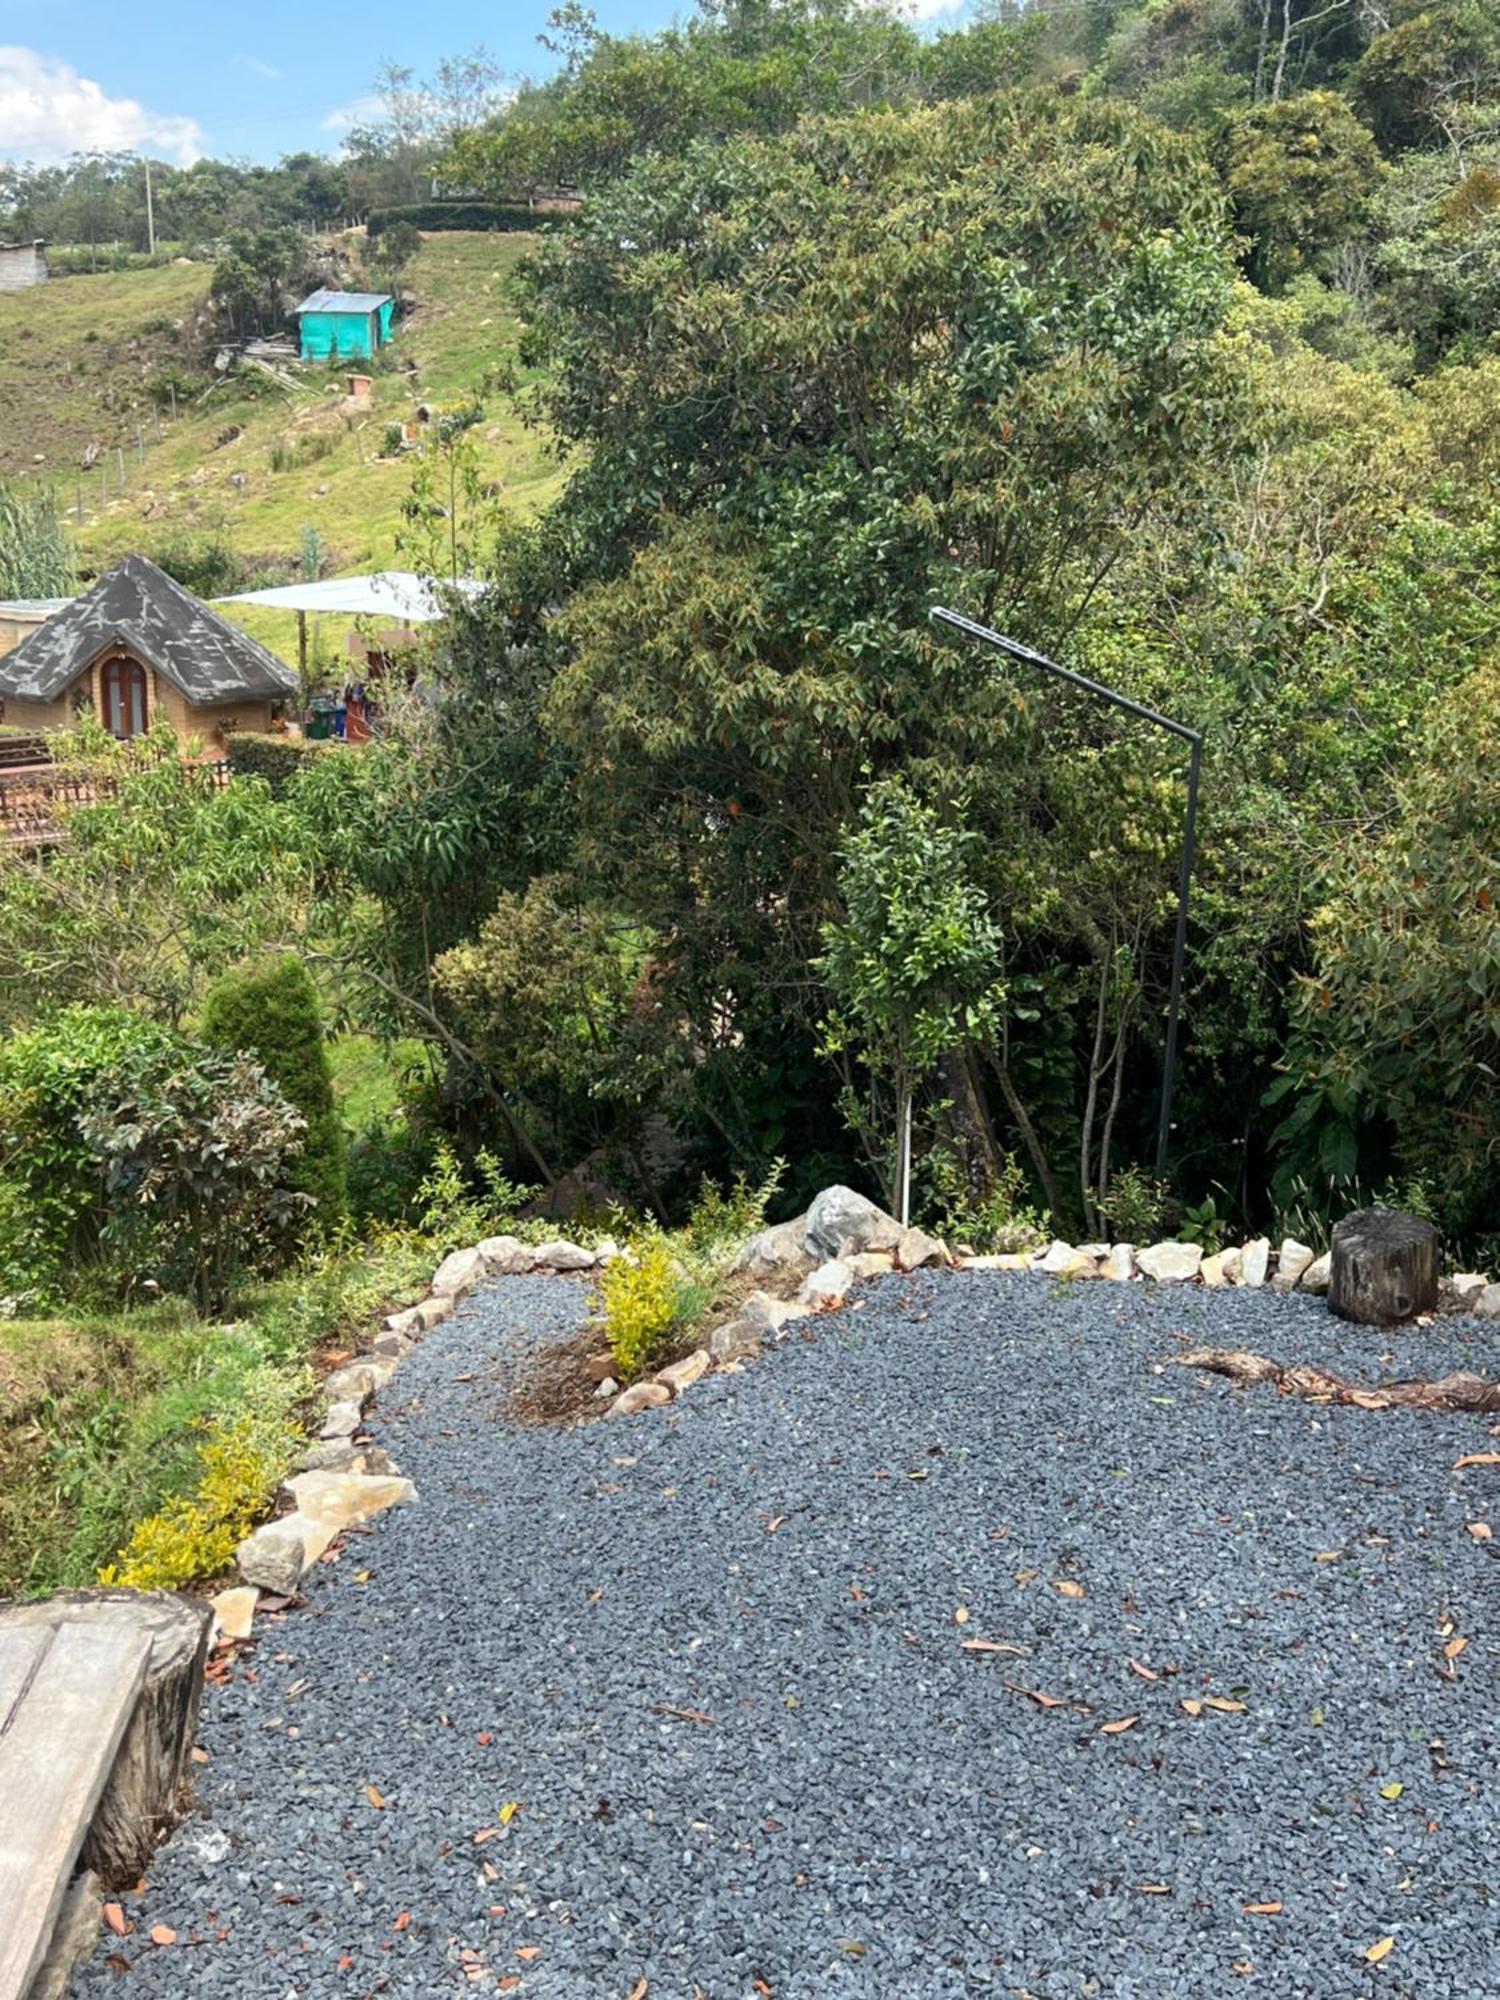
<point x="34" y="801"/>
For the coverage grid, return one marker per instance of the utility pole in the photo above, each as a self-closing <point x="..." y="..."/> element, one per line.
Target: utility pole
<point x="150" y="216"/>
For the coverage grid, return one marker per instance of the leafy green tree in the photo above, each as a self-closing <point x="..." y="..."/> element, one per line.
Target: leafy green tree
<point x="1391" y="1068"/>
<point x="271" y="1012"/>
<point x="911" y="965"/>
<point x="1301" y="174"/>
<point x="163" y="881"/>
<point x="1421" y="79"/>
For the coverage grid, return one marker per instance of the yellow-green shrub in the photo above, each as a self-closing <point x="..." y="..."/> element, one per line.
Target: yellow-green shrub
<point x="645" y="1304"/>
<point x="196" y="1534"/>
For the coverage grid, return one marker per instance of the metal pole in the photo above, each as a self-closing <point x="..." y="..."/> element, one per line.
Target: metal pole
<point x="1179" y="950"/>
<point x="972" y="630"/>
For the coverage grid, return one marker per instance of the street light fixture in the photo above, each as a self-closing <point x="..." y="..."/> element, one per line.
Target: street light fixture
<point x="985" y="637"/>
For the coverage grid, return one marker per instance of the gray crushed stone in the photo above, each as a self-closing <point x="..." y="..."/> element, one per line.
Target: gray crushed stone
<point x="712" y="1654"/>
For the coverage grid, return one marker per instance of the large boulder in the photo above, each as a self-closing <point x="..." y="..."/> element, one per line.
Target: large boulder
<point x="507" y="1256"/>
<point x="827" y="1286"/>
<point x="1171" y="1263"/>
<point x="275" y="1555"/>
<point x="459" y="1272"/>
<point x="779" y="1252"/>
<point x="841" y="1222"/>
<point x="1292" y="1259"/>
<point x="1061" y="1260"/>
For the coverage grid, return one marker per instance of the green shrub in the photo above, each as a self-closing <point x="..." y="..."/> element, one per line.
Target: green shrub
<point x="270" y="1011"/>
<point x="455" y="1211"/>
<point x="504" y="215"/>
<point x="196" y="1534"/>
<point x="205" y="564"/>
<point x="277" y="759"/>
<point x="647" y="1303"/>
<point x="720" y="1222"/>
<point x="195" y="1148"/>
<point x="52" y="1199"/>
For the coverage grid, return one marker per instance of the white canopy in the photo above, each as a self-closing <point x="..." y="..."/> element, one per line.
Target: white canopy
<point x="388" y="593"/>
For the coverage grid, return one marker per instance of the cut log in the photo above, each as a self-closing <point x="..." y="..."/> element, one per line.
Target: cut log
<point x="1383" y="1267"/>
<point x="71" y="1692"/>
<point x="150" y="1767"/>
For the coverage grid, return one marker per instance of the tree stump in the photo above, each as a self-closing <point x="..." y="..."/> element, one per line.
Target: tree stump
<point x="1383" y="1267"/>
<point x="151" y="1764"/>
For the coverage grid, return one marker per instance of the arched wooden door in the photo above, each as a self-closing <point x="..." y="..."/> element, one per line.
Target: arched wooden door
<point x="122" y="694"/>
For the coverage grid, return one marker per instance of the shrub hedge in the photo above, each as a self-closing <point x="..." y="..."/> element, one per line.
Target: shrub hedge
<point x="270" y="1011"/>
<point x="462" y="215"/>
<point x="277" y="759"/>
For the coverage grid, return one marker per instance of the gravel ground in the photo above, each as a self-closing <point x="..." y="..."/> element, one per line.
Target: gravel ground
<point x="713" y="1655"/>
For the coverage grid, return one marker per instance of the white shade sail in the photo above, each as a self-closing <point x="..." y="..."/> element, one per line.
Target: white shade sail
<point x="387" y="593"/>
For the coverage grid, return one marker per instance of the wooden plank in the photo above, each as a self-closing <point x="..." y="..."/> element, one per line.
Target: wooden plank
<point x="55" y="1757"/>
<point x="19" y="1652"/>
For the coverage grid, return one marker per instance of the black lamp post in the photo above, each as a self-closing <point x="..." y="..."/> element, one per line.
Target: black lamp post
<point x="1017" y="651"/>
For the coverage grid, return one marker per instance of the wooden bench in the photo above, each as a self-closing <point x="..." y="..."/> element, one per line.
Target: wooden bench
<point x="99" y="1696"/>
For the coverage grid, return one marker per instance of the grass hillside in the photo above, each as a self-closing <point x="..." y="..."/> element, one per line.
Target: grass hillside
<point x="256" y="469"/>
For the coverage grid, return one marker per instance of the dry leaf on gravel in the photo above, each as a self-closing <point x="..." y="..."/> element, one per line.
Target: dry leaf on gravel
<point x="528" y="1951"/>
<point x="1192" y="1707"/>
<point x="992" y="1646"/>
<point x="640" y="1989"/>
<point x="1119" y="1728"/>
<point x="1263" y="1909"/>
<point x="1153" y="1889"/>
<point x="117" y="1920"/>
<point x="1481" y="1531"/>
<point x="1453" y="1648"/>
<point x="1224" y="1704"/>
<point x="1031" y="1694"/>
<point x="1146" y="1673"/>
<point x="509" y="1810"/>
<point x="1382" y="1950"/>
<point x="402" y="1921"/>
<point x="1065" y="1587"/>
<point x="1392" y="1791"/>
<point x="376" y="1797"/>
<point x="162" y="1934"/>
<point x="1476" y="1458"/>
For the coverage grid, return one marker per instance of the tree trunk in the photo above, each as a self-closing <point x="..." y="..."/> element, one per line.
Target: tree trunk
<point x="1383" y="1267"/>
<point x="151" y="1764"/>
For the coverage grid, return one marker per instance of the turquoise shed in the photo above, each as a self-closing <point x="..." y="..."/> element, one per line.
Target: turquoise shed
<point x="344" y="326"/>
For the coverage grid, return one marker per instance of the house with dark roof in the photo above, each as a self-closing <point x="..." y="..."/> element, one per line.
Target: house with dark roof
<point x="344" y="325"/>
<point x="138" y="649"/>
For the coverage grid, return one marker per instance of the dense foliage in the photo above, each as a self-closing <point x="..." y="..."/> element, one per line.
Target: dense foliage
<point x="271" y="1012"/>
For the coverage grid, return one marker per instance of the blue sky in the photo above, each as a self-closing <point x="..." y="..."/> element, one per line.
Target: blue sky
<point x="178" y="77"/>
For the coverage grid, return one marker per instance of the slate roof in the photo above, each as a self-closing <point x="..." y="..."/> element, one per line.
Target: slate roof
<point x="138" y="606"/>
<point x="343" y="302"/>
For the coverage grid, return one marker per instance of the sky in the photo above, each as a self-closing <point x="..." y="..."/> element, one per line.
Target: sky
<point x="178" y="78"/>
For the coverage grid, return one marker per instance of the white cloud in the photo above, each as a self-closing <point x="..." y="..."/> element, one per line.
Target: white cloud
<point x="47" y="110"/>
<point x="260" y="66"/>
<point x="362" y="111"/>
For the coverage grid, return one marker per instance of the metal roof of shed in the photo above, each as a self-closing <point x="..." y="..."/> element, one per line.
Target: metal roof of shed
<point x="387" y="593"/>
<point x="343" y="302"/>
